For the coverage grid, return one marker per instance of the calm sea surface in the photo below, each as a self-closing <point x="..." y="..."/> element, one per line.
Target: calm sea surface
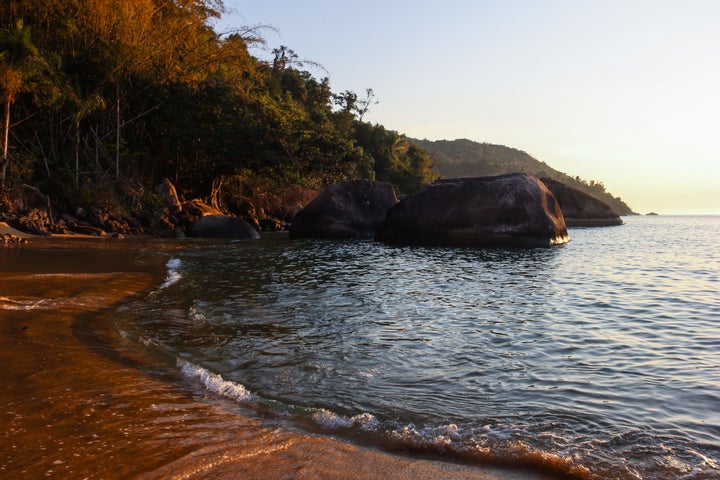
<point x="600" y="357"/>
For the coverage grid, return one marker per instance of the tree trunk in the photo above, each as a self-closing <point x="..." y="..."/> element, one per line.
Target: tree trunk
<point x="97" y="147"/>
<point x="117" y="132"/>
<point x="6" y="139"/>
<point x="215" y="191"/>
<point x="77" y="153"/>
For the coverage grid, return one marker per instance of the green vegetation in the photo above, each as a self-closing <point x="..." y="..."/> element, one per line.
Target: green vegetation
<point x="102" y="99"/>
<point x="465" y="158"/>
<point x="112" y="96"/>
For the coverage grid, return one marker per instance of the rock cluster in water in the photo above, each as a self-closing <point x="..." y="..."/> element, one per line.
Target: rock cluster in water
<point x="348" y="209"/>
<point x="514" y="210"/>
<point x="581" y="209"/>
<point x="505" y="210"/>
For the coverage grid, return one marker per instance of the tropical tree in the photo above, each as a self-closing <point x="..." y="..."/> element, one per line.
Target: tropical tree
<point x="396" y="159"/>
<point x="22" y="69"/>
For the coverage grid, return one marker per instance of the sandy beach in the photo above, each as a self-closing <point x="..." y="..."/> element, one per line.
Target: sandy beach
<point x="6" y="229"/>
<point x="76" y="405"/>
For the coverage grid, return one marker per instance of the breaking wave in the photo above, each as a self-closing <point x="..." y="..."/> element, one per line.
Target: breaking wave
<point x="491" y="447"/>
<point x="173" y="275"/>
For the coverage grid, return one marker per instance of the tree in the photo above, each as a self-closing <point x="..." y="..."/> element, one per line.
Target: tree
<point x="148" y="89"/>
<point x="396" y="160"/>
<point x="364" y="105"/>
<point x="83" y="107"/>
<point x="22" y="69"/>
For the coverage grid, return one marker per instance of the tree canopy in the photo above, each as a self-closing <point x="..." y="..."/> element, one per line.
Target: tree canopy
<point x="100" y="92"/>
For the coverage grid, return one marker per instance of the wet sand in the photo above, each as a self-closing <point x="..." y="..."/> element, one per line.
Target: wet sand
<point x="76" y="405"/>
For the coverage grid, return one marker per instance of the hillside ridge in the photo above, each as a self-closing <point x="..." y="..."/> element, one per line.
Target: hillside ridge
<point x="467" y="158"/>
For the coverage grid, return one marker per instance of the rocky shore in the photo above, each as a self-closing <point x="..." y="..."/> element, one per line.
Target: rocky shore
<point x="160" y="213"/>
<point x="12" y="239"/>
<point x="513" y="209"/>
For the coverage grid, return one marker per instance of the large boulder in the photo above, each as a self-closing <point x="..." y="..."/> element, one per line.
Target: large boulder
<point x="222" y="226"/>
<point x="192" y="212"/>
<point x="513" y="210"/>
<point x="348" y="209"/>
<point x="581" y="209"/>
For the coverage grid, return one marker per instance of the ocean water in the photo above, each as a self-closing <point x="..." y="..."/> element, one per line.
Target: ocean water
<point x="599" y="358"/>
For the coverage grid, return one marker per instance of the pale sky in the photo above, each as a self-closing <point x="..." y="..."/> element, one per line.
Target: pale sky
<point x="622" y="91"/>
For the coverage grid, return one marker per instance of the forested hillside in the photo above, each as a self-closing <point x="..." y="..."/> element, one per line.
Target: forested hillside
<point x="465" y="158"/>
<point x="101" y="99"/>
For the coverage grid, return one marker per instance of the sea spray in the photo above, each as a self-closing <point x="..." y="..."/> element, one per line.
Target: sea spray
<point x="173" y="275"/>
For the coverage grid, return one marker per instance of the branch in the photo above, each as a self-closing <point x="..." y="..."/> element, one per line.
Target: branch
<point x="146" y="112"/>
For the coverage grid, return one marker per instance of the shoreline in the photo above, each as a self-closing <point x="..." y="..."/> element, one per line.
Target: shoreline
<point x="77" y="406"/>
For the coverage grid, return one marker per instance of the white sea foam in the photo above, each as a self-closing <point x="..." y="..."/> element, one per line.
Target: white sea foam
<point x="149" y="342"/>
<point x="196" y="315"/>
<point x="215" y="383"/>
<point x="328" y="420"/>
<point x="173" y="275"/>
<point x="18" y="304"/>
<point x="428" y="437"/>
<point x="366" y="421"/>
<point x="174" y="263"/>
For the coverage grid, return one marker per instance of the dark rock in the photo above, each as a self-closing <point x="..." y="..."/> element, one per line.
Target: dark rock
<point x="349" y="209"/>
<point x="69" y="219"/>
<point x="248" y="212"/>
<point x="222" y="226"/>
<point x="168" y="196"/>
<point x="34" y="221"/>
<point x="161" y="225"/>
<point x="11" y="239"/>
<point x="513" y="210"/>
<point x="271" y="224"/>
<point x="581" y="209"/>
<point x="98" y="218"/>
<point x="192" y="211"/>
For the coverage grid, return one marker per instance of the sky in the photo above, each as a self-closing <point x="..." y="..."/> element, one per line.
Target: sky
<point x="626" y="92"/>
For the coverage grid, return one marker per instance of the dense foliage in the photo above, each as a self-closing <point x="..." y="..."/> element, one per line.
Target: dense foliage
<point x="102" y="99"/>
<point x="465" y="158"/>
<point x="101" y="95"/>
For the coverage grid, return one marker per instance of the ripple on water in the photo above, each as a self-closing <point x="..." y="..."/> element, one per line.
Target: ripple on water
<point x="604" y="351"/>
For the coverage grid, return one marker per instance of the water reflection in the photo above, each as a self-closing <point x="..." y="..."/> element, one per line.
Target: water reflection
<point x="589" y="341"/>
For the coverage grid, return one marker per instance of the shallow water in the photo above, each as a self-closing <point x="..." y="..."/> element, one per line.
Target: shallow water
<point x="598" y="358"/>
<point x="79" y="400"/>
